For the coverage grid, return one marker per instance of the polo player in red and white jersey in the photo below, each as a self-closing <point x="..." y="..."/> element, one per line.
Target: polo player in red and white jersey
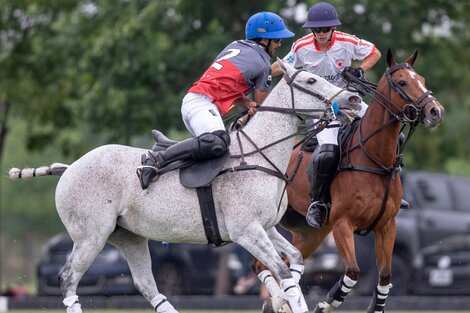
<point x="328" y="53"/>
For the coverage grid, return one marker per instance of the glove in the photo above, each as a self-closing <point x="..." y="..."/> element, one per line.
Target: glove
<point x="356" y="72"/>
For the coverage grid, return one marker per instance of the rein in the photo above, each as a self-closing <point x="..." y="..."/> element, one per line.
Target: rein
<point x="387" y="103"/>
<point x="327" y="116"/>
<point x="417" y="106"/>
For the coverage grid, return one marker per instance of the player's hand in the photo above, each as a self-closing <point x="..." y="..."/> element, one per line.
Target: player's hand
<point x="252" y="106"/>
<point x="356" y="72"/>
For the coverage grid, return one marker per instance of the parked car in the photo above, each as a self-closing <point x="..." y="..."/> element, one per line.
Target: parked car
<point x="178" y="268"/>
<point x="444" y="268"/>
<point x="431" y="242"/>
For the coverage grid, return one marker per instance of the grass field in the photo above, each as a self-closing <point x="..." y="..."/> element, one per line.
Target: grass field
<point x="218" y="311"/>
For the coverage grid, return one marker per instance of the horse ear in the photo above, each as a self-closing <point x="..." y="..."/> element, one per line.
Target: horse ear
<point x="390" y="58"/>
<point x="411" y="60"/>
<point x="282" y="65"/>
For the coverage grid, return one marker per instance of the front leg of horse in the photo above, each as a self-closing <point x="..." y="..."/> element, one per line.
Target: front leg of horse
<point x="384" y="242"/>
<point x="344" y="239"/>
<point x="304" y="238"/>
<point x="256" y="241"/>
<point x="291" y="256"/>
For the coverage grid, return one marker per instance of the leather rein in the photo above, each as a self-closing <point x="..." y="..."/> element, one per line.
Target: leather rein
<point x="415" y="106"/>
<point x="327" y="115"/>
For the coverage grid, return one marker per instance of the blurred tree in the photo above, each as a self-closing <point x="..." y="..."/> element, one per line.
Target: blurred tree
<point x="438" y="29"/>
<point x="120" y="67"/>
<point x="79" y="73"/>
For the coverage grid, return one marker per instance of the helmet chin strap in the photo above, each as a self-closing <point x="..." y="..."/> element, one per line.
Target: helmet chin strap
<point x="266" y="47"/>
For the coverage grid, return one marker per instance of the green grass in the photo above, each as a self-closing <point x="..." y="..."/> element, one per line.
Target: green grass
<point x="207" y="311"/>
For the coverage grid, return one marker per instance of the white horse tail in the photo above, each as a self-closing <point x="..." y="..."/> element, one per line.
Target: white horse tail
<point x="56" y="169"/>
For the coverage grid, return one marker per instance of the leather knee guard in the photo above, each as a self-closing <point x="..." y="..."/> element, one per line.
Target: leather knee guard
<point x="211" y="145"/>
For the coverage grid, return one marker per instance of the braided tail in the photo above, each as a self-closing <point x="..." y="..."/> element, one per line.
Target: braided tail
<point x="56" y="169"/>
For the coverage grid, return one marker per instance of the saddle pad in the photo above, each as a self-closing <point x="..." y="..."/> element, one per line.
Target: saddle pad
<point x="202" y="173"/>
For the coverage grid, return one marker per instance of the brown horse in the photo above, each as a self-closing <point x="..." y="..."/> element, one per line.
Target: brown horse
<point x="367" y="190"/>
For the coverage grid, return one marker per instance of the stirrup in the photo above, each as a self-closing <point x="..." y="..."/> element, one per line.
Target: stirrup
<point x="148" y="172"/>
<point x="322" y="209"/>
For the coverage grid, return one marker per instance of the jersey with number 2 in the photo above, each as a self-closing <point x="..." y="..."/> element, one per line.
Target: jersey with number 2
<point x="242" y="66"/>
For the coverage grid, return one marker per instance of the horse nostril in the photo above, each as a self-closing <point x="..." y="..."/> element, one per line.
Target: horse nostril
<point x="434" y="113"/>
<point x="354" y="100"/>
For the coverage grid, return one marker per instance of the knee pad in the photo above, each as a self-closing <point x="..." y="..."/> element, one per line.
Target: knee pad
<point x="211" y="145"/>
<point x="327" y="159"/>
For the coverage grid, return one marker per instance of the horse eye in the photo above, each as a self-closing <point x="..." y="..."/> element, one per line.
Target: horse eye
<point x="311" y="81"/>
<point x="402" y="83"/>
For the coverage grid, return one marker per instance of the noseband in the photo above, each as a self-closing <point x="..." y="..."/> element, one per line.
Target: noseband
<point x="328" y="112"/>
<point x="418" y="105"/>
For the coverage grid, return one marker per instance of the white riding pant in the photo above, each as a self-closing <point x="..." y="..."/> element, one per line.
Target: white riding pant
<point x="330" y="135"/>
<point x="200" y="115"/>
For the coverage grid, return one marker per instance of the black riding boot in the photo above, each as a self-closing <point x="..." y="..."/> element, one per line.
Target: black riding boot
<point x="324" y="169"/>
<point x="152" y="162"/>
<point x="206" y="146"/>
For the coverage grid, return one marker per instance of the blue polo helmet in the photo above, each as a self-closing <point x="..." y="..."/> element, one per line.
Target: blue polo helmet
<point x="266" y="25"/>
<point x="322" y="14"/>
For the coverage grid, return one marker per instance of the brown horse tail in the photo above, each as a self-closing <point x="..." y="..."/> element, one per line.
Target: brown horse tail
<point x="56" y="169"/>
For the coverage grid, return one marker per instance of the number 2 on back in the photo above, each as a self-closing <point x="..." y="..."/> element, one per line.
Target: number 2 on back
<point x="230" y="53"/>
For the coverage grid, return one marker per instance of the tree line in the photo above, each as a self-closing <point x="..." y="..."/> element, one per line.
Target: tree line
<point x="77" y="74"/>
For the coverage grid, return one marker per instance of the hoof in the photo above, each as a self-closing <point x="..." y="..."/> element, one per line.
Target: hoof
<point x="75" y="308"/>
<point x="268" y="306"/>
<point x="285" y="309"/>
<point x="323" y="307"/>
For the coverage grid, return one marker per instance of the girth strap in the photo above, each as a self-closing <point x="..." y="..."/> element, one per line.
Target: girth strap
<point x="209" y="218"/>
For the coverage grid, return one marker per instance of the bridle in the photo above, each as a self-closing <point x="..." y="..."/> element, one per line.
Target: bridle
<point x="417" y="106"/>
<point x="326" y="115"/>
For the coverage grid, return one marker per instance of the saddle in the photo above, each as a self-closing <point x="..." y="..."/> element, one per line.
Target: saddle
<point x="192" y="174"/>
<point x="345" y="133"/>
<point x="198" y="175"/>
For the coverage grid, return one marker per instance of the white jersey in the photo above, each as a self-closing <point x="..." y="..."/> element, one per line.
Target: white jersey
<point x="329" y="64"/>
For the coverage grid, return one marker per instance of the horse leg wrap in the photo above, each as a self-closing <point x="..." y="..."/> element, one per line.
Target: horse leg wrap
<point x="340" y="290"/>
<point x="268" y="280"/>
<point x="378" y="300"/>
<point x="277" y="299"/>
<point x="161" y="304"/>
<point x="72" y="305"/>
<point x="297" y="270"/>
<point x="294" y="296"/>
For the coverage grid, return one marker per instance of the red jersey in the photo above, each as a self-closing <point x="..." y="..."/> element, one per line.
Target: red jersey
<point x="242" y="66"/>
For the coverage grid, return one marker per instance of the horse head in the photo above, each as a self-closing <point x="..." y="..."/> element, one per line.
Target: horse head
<point x="309" y="84"/>
<point x="408" y="93"/>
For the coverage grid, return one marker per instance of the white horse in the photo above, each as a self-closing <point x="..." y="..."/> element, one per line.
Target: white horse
<point x="99" y="198"/>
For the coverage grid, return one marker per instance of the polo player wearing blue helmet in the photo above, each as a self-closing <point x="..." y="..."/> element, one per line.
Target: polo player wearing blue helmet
<point x="241" y="68"/>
